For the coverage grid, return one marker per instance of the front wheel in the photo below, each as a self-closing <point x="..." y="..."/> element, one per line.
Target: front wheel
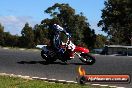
<point x="87" y="58"/>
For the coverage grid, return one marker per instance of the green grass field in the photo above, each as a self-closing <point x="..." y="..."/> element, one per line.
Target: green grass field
<point x="13" y="82"/>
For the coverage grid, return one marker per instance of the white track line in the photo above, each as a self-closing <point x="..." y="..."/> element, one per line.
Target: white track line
<point x="95" y="84"/>
<point x="104" y="85"/>
<point x="5" y="48"/>
<point x="53" y="80"/>
<point x="113" y="86"/>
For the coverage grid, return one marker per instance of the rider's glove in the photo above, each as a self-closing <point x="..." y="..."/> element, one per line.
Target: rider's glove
<point x="67" y="34"/>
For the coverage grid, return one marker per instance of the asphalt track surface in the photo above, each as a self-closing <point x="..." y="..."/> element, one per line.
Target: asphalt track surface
<point x="30" y="63"/>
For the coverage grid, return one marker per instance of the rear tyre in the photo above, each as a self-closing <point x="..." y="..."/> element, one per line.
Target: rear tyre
<point x="48" y="56"/>
<point x="87" y="58"/>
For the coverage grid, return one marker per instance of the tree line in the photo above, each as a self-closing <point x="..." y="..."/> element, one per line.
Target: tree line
<point x="116" y="21"/>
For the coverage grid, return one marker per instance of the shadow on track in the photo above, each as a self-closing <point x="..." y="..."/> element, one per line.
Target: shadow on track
<point x="45" y="63"/>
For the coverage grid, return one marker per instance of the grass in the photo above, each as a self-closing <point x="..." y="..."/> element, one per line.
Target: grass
<point x="14" y="82"/>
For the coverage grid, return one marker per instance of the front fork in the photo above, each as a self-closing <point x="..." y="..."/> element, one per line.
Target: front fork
<point x="78" y="54"/>
<point x="80" y="57"/>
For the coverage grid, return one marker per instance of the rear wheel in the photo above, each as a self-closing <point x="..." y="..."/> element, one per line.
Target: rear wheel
<point x="87" y="58"/>
<point x="49" y="56"/>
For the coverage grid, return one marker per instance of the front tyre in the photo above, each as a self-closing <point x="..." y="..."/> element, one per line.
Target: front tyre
<point x="87" y="58"/>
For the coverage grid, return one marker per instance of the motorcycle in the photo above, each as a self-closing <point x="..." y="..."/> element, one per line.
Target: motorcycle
<point x="67" y="51"/>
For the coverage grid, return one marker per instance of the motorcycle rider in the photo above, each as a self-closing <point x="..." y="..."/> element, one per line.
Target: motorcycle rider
<point x="56" y="40"/>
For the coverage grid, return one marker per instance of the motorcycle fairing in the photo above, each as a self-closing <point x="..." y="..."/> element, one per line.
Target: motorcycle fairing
<point x="81" y="49"/>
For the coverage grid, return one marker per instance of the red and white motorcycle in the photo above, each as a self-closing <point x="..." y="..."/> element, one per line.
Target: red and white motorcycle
<point x="69" y="51"/>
